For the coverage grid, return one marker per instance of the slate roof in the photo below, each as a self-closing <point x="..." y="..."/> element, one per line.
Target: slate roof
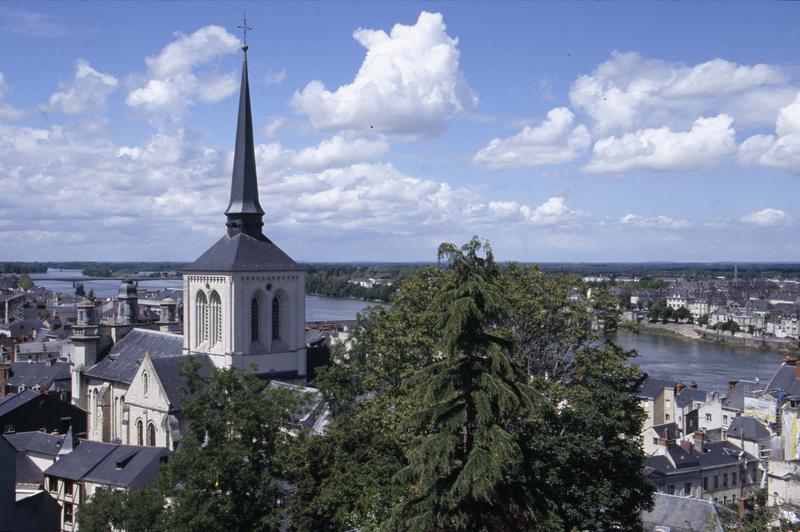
<point x="122" y="362"/>
<point x="735" y="397"/>
<point x="42" y="374"/>
<point x="653" y="386"/>
<point x="748" y="427"/>
<point x="242" y="253"/>
<point x="784" y="380"/>
<point x="168" y="371"/>
<point x="688" y="395"/>
<point x="15" y="401"/>
<point x="36" y="442"/>
<point x="682" y="514"/>
<point x="77" y="464"/>
<point x="715" y="454"/>
<point x="667" y="431"/>
<point x="124" y="466"/>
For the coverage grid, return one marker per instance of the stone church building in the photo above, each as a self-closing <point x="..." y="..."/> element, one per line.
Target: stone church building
<point x="243" y="307"/>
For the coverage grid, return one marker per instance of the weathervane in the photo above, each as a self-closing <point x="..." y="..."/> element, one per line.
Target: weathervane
<point x="244" y="27"/>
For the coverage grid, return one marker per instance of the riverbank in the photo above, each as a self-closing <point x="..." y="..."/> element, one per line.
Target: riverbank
<point x="689" y="332"/>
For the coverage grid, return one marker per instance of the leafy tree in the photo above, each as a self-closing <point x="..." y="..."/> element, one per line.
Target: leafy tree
<point x="226" y="473"/>
<point x="464" y="465"/>
<point x="25" y="282"/>
<point x="79" y="290"/>
<point x="108" y="510"/>
<point x="606" y="308"/>
<point x="703" y="320"/>
<point x="682" y="314"/>
<point x="90" y="296"/>
<point x="345" y="477"/>
<point x="658" y="310"/>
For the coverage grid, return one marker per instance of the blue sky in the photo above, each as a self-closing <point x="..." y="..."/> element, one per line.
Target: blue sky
<point x="559" y="131"/>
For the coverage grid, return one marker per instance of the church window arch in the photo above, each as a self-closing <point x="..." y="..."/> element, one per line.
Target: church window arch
<point x="145" y="383"/>
<point x="216" y="319"/>
<point x="276" y="318"/>
<point x="151" y="434"/>
<point x="139" y="432"/>
<point x="201" y="317"/>
<point x="254" y="320"/>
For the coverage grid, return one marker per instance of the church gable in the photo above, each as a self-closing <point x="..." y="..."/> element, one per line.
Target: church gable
<point x="146" y="389"/>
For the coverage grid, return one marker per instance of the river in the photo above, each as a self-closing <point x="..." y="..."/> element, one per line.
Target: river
<point x="710" y="365"/>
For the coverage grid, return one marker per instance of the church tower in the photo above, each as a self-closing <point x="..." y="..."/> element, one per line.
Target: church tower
<point x="244" y="298"/>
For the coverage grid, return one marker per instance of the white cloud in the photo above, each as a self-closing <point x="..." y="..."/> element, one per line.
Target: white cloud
<point x="768" y="218"/>
<point x="7" y="111"/>
<point x="175" y="80"/>
<point x="660" y="221"/>
<point x="275" y="77"/>
<point x="409" y="84"/>
<point x="30" y="23"/>
<point x="333" y="152"/>
<point x="554" y="141"/>
<point x="273" y="125"/>
<point x="782" y="150"/>
<point x="662" y="149"/>
<point x="551" y="212"/>
<point x="88" y="92"/>
<point x="630" y="91"/>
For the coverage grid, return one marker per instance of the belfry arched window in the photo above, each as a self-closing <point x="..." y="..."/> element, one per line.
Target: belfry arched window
<point x="254" y="320"/>
<point x="139" y="432"/>
<point x="151" y="434"/>
<point x="216" y="318"/>
<point x="276" y="318"/>
<point x="201" y="317"/>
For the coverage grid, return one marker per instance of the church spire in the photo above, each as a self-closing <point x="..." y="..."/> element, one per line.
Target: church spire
<point x="244" y="211"/>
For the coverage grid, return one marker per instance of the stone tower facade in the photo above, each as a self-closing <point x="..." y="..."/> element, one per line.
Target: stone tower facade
<point x="244" y="298"/>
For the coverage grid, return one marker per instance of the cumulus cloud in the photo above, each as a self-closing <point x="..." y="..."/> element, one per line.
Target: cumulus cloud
<point x="333" y="152"/>
<point x="88" y="92"/>
<point x="630" y="91"/>
<point x="660" y="221"/>
<point x="551" y="212"/>
<point x="662" y="149"/>
<point x="768" y="218"/>
<point x="175" y="78"/>
<point x="780" y="151"/>
<point x="7" y="111"/>
<point x="554" y="141"/>
<point x="409" y="84"/>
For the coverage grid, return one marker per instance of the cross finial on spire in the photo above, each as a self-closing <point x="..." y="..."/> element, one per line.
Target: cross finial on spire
<point x="244" y="27"/>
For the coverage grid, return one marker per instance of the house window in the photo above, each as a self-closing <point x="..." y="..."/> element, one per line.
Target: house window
<point x="671" y="489"/>
<point x="254" y="320"/>
<point x="733" y="479"/>
<point x="716" y="481"/>
<point x="667" y="403"/>
<point x="724" y="480"/>
<point x="725" y="420"/>
<point x="666" y="417"/>
<point x="705" y="483"/>
<point x="276" y="318"/>
<point x="151" y="435"/>
<point x="139" y="433"/>
<point x="687" y="489"/>
<point x="52" y="484"/>
<point x="68" y="515"/>
<point x="68" y="488"/>
<point x="708" y="417"/>
<point x="655" y="441"/>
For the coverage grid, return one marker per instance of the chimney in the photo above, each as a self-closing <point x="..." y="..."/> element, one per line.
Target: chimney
<point x="698" y="441"/>
<point x="679" y="388"/>
<point x="686" y="445"/>
<point x="693" y="385"/>
<point x="789" y="360"/>
<point x="663" y="442"/>
<point x="731" y="386"/>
